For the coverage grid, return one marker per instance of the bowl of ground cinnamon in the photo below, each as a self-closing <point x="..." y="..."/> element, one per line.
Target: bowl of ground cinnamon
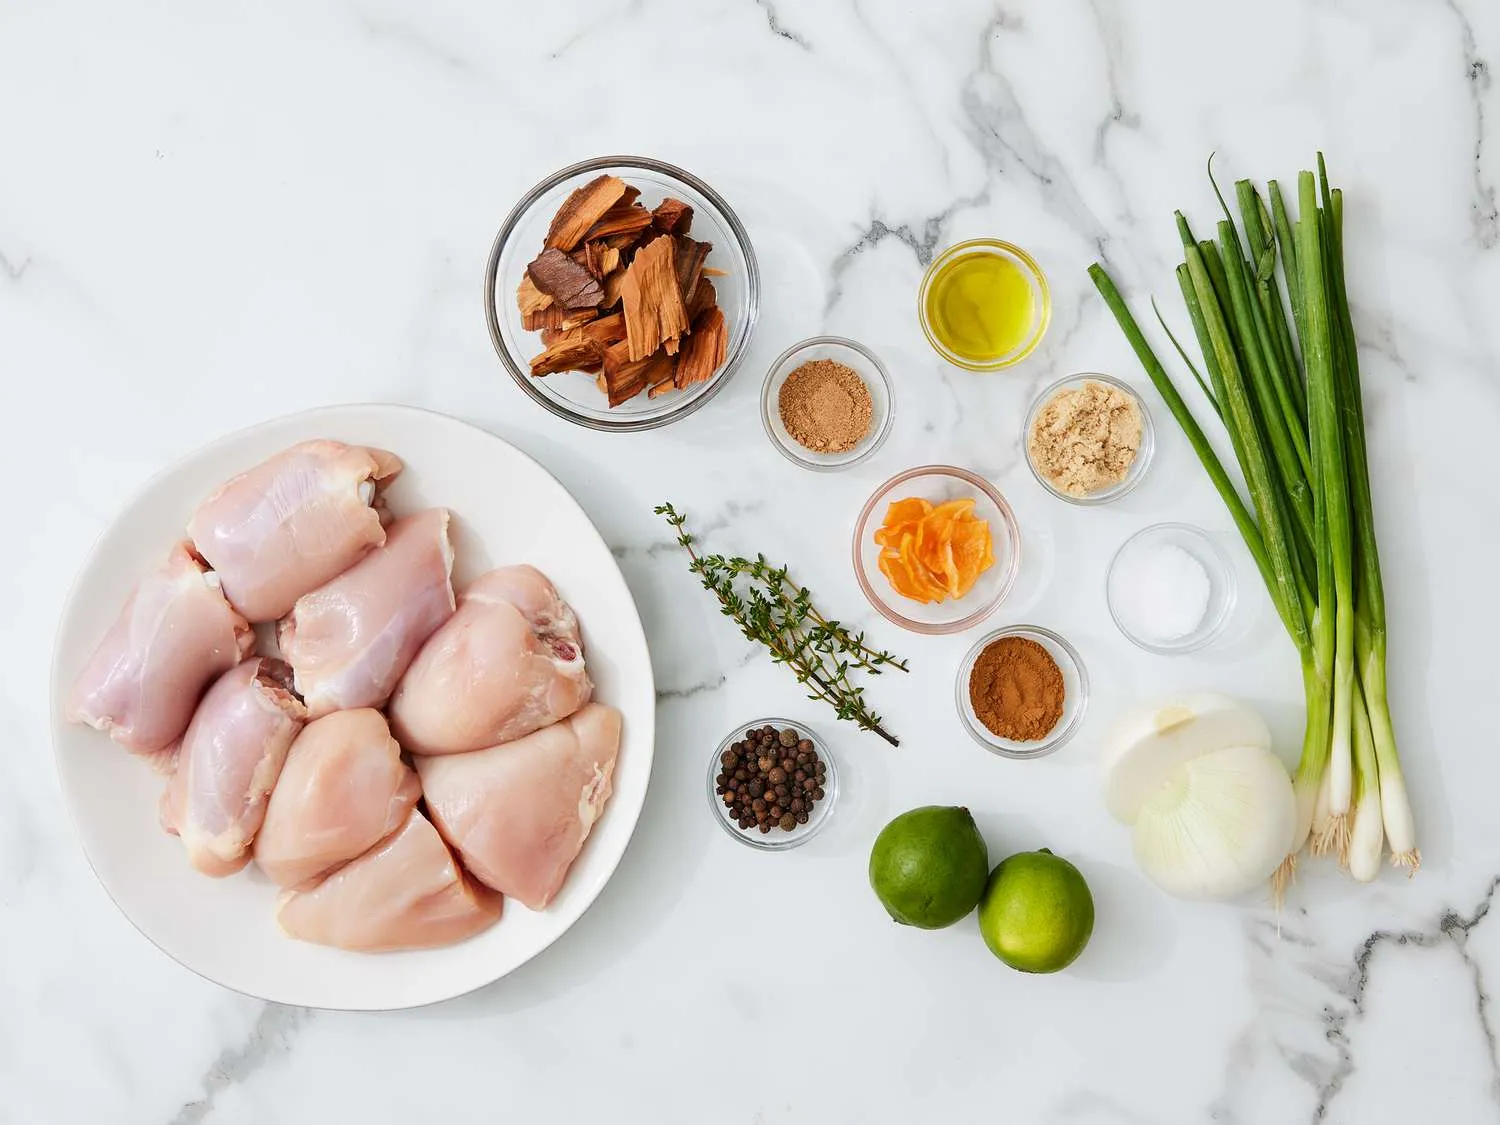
<point x="1022" y="691"/>
<point x="827" y="403"/>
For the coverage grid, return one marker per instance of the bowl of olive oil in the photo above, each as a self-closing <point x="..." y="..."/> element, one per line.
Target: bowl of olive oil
<point x="984" y="304"/>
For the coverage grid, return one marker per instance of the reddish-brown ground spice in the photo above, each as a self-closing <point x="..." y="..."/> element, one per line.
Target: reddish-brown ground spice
<point x="1016" y="689"/>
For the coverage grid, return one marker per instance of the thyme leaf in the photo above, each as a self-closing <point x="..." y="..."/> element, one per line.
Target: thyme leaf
<point x="776" y="612"/>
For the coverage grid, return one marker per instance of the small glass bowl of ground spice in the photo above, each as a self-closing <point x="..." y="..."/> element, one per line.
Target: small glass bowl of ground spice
<point x="1022" y="691"/>
<point x="772" y="784"/>
<point x="827" y="403"/>
<point x="1088" y="438"/>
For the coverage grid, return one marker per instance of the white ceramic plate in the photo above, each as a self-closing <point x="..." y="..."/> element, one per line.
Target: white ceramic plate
<point x="506" y="509"/>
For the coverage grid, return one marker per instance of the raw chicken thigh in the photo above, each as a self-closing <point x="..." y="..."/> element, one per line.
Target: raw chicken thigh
<point x="518" y="813"/>
<point x="291" y="523"/>
<point x="507" y="663"/>
<point x="342" y="790"/>
<point x="349" y="641"/>
<point x="407" y="893"/>
<point x="229" y="761"/>
<point x="174" y="635"/>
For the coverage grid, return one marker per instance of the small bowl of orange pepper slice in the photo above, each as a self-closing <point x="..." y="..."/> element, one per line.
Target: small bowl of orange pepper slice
<point x="936" y="549"/>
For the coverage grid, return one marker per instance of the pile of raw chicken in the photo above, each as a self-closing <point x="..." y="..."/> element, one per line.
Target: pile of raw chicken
<point x="292" y="762"/>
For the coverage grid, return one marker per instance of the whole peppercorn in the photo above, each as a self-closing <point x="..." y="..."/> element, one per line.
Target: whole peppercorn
<point x="777" y="776"/>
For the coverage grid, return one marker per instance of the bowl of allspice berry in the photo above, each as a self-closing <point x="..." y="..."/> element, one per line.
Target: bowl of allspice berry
<point x="772" y="784"/>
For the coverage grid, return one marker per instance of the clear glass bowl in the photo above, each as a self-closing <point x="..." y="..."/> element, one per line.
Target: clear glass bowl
<point x="850" y="354"/>
<point x="1075" y="694"/>
<point x="1041" y="302"/>
<point x="775" y="840"/>
<point x="575" y="396"/>
<point x="1221" y="587"/>
<point x="938" y="483"/>
<point x="1137" y="468"/>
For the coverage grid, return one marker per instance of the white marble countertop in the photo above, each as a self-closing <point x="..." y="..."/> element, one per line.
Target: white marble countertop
<point x="210" y="216"/>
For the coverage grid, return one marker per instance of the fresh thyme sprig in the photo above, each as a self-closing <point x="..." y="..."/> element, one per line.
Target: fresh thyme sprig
<point x="779" y="614"/>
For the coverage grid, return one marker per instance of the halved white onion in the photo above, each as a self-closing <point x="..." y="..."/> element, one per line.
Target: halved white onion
<point x="1148" y="745"/>
<point x="1219" y="825"/>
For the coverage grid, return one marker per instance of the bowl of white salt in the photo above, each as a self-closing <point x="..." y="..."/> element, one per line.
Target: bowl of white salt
<point x="1170" y="589"/>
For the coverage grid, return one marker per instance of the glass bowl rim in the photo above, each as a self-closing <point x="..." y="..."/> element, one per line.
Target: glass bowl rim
<point x="754" y="839"/>
<point x="1202" y="637"/>
<point x="1144" y="455"/>
<point x="828" y="341"/>
<point x="524" y="380"/>
<point x="1041" y="321"/>
<point x="1057" y="738"/>
<point x="1008" y="580"/>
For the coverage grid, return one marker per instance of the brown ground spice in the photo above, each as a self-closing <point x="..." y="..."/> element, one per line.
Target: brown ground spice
<point x="825" y="406"/>
<point x="1017" y="690"/>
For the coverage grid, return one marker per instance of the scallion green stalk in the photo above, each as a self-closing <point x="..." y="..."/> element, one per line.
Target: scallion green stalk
<point x="1293" y="412"/>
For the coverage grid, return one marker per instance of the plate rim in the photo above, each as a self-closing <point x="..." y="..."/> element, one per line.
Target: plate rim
<point x="55" y="693"/>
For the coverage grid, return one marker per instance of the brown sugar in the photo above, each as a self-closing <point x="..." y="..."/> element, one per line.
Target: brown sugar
<point x="825" y="406"/>
<point x="1085" y="438"/>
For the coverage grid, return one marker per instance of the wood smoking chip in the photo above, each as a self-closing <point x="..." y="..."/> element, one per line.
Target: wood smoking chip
<point x="632" y="219"/>
<point x="690" y="257"/>
<point x="626" y="240"/>
<point x="568" y="355"/>
<point x="565" y="281"/>
<point x="611" y="286"/>
<point x="604" y="330"/>
<point x="713" y="271"/>
<point x="704" y="298"/>
<point x="582" y="210"/>
<point x="654" y="311"/>
<point x="530" y="299"/>
<point x="557" y="318"/>
<point x="672" y="216"/>
<point x="590" y="252"/>
<point x="549" y="319"/>
<point x="609" y="260"/>
<point x="704" y="350"/>
<point x="624" y="378"/>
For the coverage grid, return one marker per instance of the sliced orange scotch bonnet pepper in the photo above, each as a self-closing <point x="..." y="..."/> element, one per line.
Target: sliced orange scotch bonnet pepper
<point x="930" y="554"/>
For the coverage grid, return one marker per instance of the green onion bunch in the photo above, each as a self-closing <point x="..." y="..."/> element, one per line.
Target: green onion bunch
<point x="1287" y="391"/>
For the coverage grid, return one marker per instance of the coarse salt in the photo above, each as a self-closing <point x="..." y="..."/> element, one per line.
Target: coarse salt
<point x="1162" y="592"/>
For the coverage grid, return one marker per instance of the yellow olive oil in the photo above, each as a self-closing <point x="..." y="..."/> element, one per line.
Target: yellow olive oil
<point x="980" y="306"/>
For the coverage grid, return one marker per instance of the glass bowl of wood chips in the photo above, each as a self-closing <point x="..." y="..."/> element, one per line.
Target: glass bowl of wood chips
<point x="621" y="293"/>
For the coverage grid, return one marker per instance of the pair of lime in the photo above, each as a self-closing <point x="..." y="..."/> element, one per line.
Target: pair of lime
<point x="930" y="867"/>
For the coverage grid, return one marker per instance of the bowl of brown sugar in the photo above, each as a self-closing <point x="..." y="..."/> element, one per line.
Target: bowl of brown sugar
<point x="827" y="403"/>
<point x="1022" y="691"/>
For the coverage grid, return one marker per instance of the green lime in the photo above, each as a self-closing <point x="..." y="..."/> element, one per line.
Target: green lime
<point x="928" y="866"/>
<point x="1037" y="913"/>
